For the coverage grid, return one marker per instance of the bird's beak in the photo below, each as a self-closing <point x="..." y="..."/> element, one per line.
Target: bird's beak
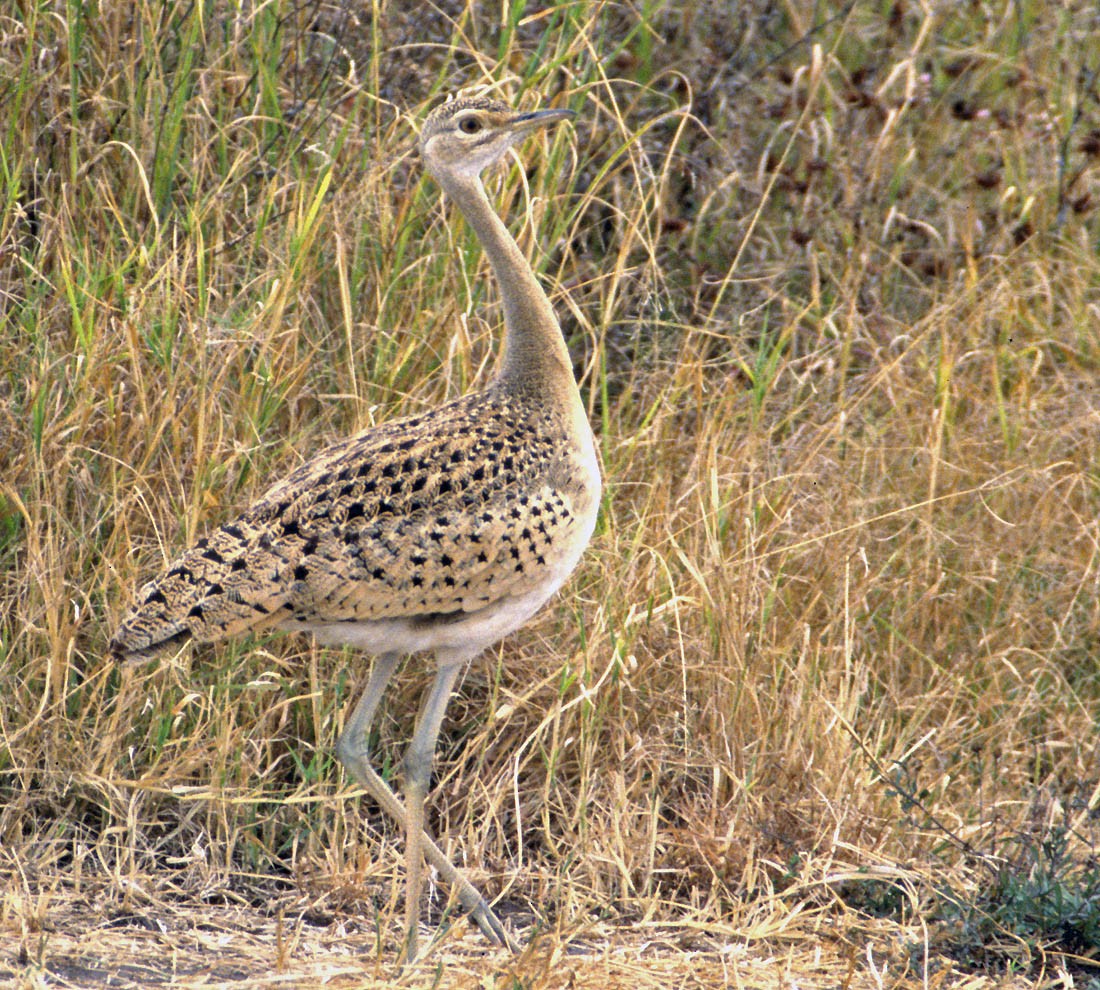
<point x="540" y="118"/>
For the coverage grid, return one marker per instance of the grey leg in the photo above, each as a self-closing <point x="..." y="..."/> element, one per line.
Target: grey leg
<point x="351" y="747"/>
<point x="352" y="751"/>
<point x="418" y="771"/>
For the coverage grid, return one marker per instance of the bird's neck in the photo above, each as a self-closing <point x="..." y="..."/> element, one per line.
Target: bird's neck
<point x="534" y="350"/>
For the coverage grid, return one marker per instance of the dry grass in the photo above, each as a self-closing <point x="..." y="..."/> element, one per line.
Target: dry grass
<point x="829" y="669"/>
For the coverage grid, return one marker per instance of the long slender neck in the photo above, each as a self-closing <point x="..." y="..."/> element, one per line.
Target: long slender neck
<point x="534" y="351"/>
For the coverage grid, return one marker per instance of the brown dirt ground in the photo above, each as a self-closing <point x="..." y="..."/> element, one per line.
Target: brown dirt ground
<point x="71" y="940"/>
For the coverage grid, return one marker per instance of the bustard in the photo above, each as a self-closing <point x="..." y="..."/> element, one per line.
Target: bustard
<point x="442" y="532"/>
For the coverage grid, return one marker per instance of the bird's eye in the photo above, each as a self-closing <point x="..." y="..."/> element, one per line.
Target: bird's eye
<point x="469" y="125"/>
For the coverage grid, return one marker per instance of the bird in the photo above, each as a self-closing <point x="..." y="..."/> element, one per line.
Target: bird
<point x="438" y="533"/>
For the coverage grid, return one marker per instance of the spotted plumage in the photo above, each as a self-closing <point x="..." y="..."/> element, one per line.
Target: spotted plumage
<point x="423" y="520"/>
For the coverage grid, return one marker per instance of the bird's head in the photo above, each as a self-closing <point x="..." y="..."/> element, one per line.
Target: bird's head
<point x="465" y="136"/>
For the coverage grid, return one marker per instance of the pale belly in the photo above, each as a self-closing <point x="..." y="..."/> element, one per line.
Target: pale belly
<point x="453" y="637"/>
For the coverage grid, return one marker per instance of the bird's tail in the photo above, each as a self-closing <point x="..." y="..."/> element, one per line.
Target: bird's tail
<point x="224" y="585"/>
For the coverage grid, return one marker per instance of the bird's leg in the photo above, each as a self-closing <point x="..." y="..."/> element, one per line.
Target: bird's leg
<point x="418" y="771"/>
<point x="351" y="747"/>
<point x="353" y="752"/>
